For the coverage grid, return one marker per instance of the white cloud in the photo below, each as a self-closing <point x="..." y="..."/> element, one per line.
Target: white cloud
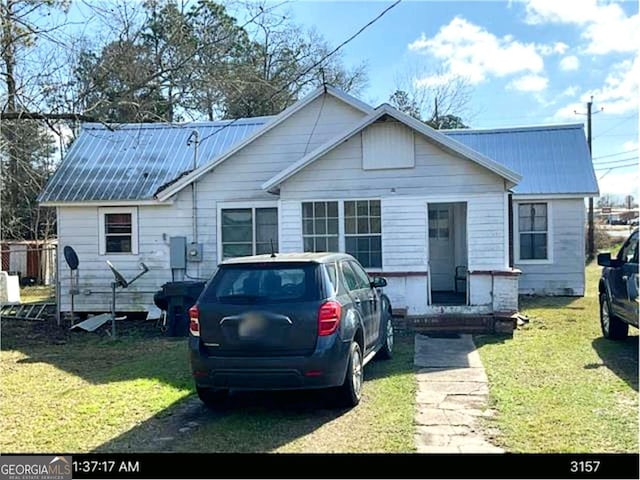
<point x="569" y="91"/>
<point x="618" y="95"/>
<point x="619" y="182"/>
<point x="548" y="49"/>
<point x="604" y="25"/>
<point x="630" y="145"/>
<point x="569" y="63"/>
<point x="470" y="51"/>
<point x="529" y="83"/>
<point x="437" y="80"/>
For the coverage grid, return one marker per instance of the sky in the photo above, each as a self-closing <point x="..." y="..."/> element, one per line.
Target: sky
<point x="528" y="62"/>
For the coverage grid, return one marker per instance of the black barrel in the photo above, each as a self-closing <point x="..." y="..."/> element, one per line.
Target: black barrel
<point x="176" y="298"/>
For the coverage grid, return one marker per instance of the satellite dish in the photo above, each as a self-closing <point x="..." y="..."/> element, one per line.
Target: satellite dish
<point x="120" y="280"/>
<point x="71" y="257"/>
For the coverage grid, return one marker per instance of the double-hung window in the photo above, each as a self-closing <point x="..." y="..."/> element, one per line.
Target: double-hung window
<point x="118" y="230"/>
<point x="363" y="231"/>
<point x="533" y="231"/>
<point x="320" y="226"/>
<point x="248" y="231"/>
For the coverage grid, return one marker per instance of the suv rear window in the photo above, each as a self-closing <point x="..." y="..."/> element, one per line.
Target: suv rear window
<point x="264" y="283"/>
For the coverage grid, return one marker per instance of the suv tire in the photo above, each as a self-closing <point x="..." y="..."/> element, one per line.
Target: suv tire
<point x="350" y="392"/>
<point x="612" y="327"/>
<point x="386" y="351"/>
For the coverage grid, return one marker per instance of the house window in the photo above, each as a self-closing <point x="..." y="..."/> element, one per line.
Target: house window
<point x="320" y="226"/>
<point x="248" y="231"/>
<point x="118" y="230"/>
<point x="439" y="223"/>
<point x="533" y="231"/>
<point x="363" y="231"/>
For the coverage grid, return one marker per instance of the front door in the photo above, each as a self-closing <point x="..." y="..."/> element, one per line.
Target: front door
<point x="441" y="254"/>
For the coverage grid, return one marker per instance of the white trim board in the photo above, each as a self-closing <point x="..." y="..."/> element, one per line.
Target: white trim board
<point x="440" y="139"/>
<point x="102" y="230"/>
<point x="516" y="234"/>
<point x="277" y="120"/>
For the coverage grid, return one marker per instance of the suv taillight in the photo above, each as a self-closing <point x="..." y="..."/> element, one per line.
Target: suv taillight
<point x="328" y="318"/>
<point x="194" y="321"/>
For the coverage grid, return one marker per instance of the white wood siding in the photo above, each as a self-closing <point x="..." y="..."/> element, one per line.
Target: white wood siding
<point x="78" y="227"/>
<point x="565" y="275"/>
<point x="339" y="174"/>
<point x="388" y="145"/>
<point x="237" y="179"/>
<point x="290" y="226"/>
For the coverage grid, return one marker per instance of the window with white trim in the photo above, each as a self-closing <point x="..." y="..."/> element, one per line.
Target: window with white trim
<point x="363" y="231"/>
<point x="118" y="230"/>
<point x="533" y="231"/>
<point x="320" y="226"/>
<point x="248" y="231"/>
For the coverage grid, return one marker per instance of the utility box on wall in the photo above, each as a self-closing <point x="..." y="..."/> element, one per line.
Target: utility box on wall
<point x="178" y="253"/>
<point x="194" y="252"/>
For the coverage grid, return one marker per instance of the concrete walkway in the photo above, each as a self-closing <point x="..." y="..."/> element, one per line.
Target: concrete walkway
<point x="452" y="396"/>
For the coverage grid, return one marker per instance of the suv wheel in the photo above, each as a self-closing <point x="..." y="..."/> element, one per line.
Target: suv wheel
<point x="386" y="351"/>
<point x="215" y="399"/>
<point x="612" y="327"/>
<point x="351" y="390"/>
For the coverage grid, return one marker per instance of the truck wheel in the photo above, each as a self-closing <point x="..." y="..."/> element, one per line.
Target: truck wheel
<point x="351" y="390"/>
<point x="213" y="398"/>
<point x="386" y="351"/>
<point x="612" y="327"/>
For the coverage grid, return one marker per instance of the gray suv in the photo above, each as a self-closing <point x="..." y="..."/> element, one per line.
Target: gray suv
<point x="288" y="321"/>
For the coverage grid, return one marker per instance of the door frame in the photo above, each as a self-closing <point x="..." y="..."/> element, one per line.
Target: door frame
<point x="466" y="245"/>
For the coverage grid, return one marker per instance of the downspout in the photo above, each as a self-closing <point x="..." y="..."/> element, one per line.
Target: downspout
<point x="195" y="138"/>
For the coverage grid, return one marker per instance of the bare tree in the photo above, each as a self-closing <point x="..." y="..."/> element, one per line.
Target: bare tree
<point x="441" y="99"/>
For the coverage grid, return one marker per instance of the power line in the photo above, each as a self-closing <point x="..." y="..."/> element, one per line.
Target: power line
<point x="633" y="164"/>
<point x="318" y="63"/>
<point x="615" y="161"/>
<point x="615" y="154"/>
<point x="624" y="120"/>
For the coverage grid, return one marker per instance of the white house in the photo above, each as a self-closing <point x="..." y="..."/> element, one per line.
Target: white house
<point x="501" y="209"/>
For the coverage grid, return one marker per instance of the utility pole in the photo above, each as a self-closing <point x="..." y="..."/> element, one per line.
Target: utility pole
<point x="591" y="248"/>
<point x="590" y="233"/>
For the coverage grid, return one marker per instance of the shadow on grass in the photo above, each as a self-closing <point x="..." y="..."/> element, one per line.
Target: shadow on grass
<point x="538" y="301"/>
<point x="621" y="357"/>
<point x="253" y="421"/>
<point x="259" y="421"/>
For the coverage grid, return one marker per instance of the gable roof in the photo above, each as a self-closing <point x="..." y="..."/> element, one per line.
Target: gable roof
<point x="131" y="161"/>
<point x="275" y="121"/>
<point x="553" y="159"/>
<point x="448" y="144"/>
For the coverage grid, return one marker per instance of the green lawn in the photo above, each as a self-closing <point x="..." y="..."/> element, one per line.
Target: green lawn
<point x="83" y="392"/>
<point x="558" y="386"/>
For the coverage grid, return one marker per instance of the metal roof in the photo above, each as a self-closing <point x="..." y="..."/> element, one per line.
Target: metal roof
<point x="552" y="159"/>
<point x="131" y="161"/>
